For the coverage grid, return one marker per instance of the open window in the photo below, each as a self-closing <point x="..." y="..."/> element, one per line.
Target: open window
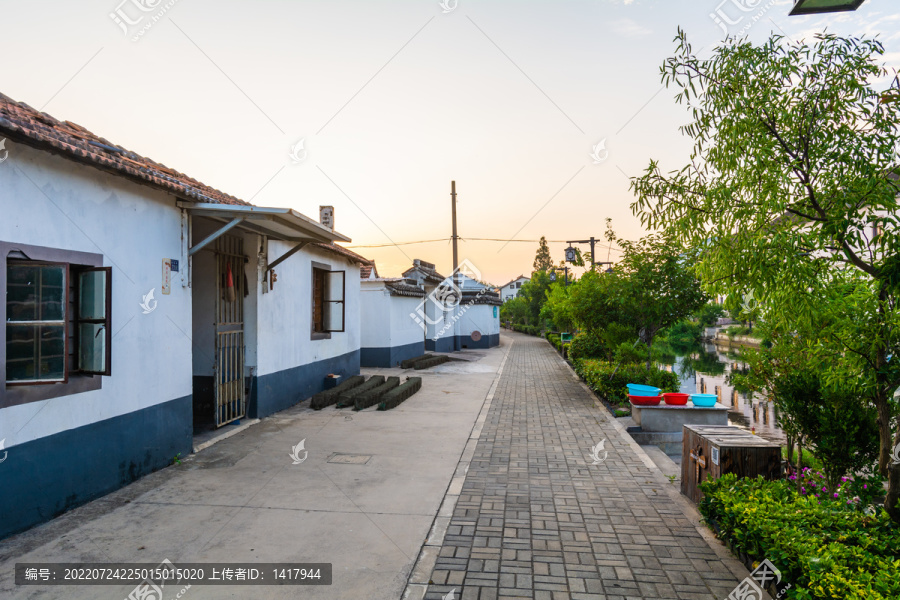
<point x="57" y="321"/>
<point x="36" y="320"/>
<point x="328" y="301"/>
<point x="92" y="321"/>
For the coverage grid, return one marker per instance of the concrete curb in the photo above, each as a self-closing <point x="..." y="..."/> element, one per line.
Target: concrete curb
<point x="225" y="435"/>
<point x="420" y="575"/>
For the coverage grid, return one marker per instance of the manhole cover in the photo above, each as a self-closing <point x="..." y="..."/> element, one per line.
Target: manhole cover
<point x="476" y="335"/>
<point x="350" y="459"/>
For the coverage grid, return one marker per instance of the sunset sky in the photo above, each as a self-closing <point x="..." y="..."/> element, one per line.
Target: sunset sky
<point x="393" y="100"/>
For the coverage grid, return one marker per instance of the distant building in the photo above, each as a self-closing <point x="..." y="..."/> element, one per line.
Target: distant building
<point x="455" y="319"/>
<point x="389" y="334"/>
<point x="511" y="289"/>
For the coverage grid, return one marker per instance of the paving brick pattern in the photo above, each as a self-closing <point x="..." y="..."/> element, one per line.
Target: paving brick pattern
<point x="535" y="519"/>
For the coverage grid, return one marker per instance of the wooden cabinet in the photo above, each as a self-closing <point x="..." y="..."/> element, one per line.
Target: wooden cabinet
<point x="714" y="450"/>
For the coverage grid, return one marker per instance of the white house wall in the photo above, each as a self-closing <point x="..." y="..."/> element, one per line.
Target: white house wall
<point x="390" y="334"/>
<point x="290" y="365"/>
<point x="480" y="318"/>
<point x="65" y="450"/>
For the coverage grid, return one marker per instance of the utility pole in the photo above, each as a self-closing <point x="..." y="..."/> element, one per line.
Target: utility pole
<point x="454" y="236"/>
<point x="592" y="242"/>
<point x="456" y="283"/>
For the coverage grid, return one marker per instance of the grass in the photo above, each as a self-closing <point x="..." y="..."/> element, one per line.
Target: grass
<point x="809" y="459"/>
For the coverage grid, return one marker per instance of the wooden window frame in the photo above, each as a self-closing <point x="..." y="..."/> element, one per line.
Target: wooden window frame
<point x="318" y="327"/>
<point x="65" y="322"/>
<point x="14" y="395"/>
<point x="106" y="321"/>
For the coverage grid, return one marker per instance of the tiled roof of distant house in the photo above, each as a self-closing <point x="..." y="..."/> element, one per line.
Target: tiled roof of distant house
<point x="515" y="280"/>
<point x="485" y="296"/>
<point x="404" y="287"/>
<point x="427" y="269"/>
<point x="366" y="271"/>
<point x="23" y="124"/>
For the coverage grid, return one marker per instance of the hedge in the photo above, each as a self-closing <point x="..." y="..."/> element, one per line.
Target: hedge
<point x="599" y="376"/>
<point x="431" y="362"/>
<point x="823" y="547"/>
<point x="371" y="397"/>
<point x="410" y="362"/>
<point x="529" y="329"/>
<point x="329" y="397"/>
<point x="348" y="398"/>
<point x="555" y="341"/>
<point x="397" y="395"/>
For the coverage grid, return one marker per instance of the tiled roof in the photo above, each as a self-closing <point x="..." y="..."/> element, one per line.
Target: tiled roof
<point x="426" y="269"/>
<point x="403" y="287"/>
<point x="22" y="123"/>
<point x="483" y="297"/>
<point x="341" y="251"/>
<point x="365" y="272"/>
<point x="515" y="280"/>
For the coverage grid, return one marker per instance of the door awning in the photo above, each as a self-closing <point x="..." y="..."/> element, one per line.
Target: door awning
<point x="277" y="223"/>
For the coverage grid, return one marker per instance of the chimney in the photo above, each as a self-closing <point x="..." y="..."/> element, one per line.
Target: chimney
<point x="326" y="216"/>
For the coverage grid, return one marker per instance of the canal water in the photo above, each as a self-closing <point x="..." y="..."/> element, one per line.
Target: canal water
<point x="707" y="369"/>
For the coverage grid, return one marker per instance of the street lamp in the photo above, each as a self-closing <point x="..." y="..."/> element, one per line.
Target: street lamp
<point x="812" y="7"/>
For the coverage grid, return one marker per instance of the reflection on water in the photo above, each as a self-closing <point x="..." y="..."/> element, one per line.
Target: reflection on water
<point x="707" y="369"/>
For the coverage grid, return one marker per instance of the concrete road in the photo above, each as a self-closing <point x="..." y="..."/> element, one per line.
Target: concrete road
<point x="243" y="499"/>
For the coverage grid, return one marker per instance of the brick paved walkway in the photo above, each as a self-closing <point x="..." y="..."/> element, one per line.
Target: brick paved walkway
<point x="535" y="519"/>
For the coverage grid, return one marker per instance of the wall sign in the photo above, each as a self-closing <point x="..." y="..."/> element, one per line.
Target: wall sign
<point x="167" y="276"/>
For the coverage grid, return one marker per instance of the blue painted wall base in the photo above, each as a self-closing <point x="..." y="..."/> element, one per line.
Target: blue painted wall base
<point x="44" y="478"/>
<point x="278" y="391"/>
<point x="390" y="357"/>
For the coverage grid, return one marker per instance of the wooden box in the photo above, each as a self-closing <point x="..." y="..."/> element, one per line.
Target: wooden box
<point x="714" y="450"/>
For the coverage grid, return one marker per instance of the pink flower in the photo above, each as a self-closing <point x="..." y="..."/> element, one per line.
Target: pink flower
<point x="835" y="495"/>
<point x="865" y="486"/>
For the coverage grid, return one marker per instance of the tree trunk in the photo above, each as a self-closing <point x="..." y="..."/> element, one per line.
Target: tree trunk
<point x="649" y="350"/>
<point x="892" y="500"/>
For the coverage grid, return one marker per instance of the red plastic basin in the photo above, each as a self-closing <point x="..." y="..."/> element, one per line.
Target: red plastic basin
<point x="645" y="400"/>
<point x="675" y="399"/>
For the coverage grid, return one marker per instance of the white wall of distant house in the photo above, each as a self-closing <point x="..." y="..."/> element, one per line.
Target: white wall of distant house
<point x="284" y="315"/>
<point x="478" y="317"/>
<point x="507" y="292"/>
<point x="53" y="202"/>
<point x="374" y="315"/>
<point x="385" y="320"/>
<point x="404" y="329"/>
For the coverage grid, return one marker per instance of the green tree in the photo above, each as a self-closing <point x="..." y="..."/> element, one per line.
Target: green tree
<point x="542" y="260"/>
<point x="653" y="287"/>
<point x="791" y="193"/>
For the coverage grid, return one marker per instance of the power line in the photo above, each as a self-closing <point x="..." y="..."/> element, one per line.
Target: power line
<point x="467" y="239"/>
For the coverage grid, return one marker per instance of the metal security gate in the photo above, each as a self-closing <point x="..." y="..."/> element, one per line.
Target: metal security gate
<point x="229" y="359"/>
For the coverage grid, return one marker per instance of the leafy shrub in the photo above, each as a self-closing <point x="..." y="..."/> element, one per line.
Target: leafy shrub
<point x="432" y="361"/>
<point x="599" y="376"/>
<point x="684" y="334"/>
<point x="347" y="398"/>
<point x="849" y="491"/>
<point x="736" y="330"/>
<point x="410" y="362"/>
<point x="373" y="396"/>
<point x="329" y="397"/>
<point x="400" y="393"/>
<point x="586" y="345"/>
<point x="824" y="550"/>
<point x="555" y="341"/>
<point x="709" y="314"/>
<point x="616" y="334"/>
<point x="630" y="353"/>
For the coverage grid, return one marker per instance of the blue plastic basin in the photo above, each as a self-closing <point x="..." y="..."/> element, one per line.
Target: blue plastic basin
<point x="705" y="400"/>
<point x="642" y="390"/>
